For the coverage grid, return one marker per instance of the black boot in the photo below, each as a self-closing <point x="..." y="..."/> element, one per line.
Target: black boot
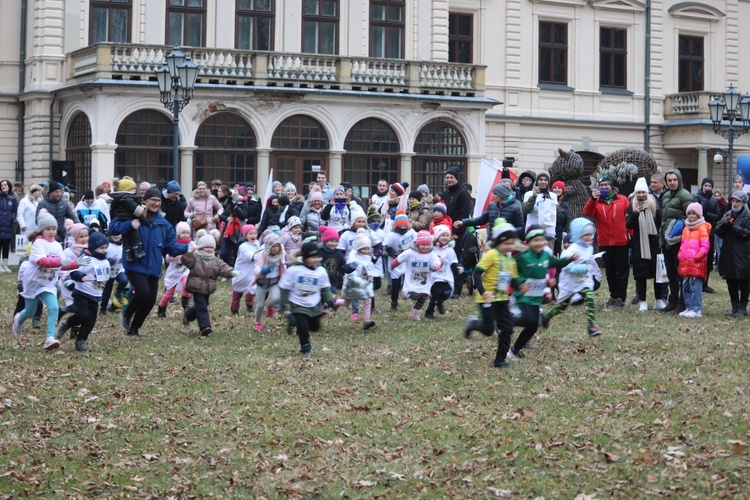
<point x="185" y="302"/>
<point x="741" y="310"/>
<point x="735" y="308"/>
<point x="81" y="346"/>
<point x="162" y="312"/>
<point x="430" y="312"/>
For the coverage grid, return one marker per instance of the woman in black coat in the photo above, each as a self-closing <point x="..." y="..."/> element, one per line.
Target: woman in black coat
<point x="734" y="261"/>
<point x="8" y="211"/>
<point x="270" y="215"/>
<point x="644" y="218"/>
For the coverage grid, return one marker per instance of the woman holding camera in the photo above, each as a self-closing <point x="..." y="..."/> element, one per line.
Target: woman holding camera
<point x="608" y="208"/>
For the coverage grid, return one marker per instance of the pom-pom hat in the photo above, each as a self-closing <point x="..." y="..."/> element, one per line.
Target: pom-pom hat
<point x="204" y="240"/>
<point x="363" y="240"/>
<point x="401" y="220"/>
<point x="182" y="227"/>
<point x="641" y="185"/>
<point x="423" y="238"/>
<point x="45" y="220"/>
<point x="440" y="207"/>
<point x="399" y="188"/>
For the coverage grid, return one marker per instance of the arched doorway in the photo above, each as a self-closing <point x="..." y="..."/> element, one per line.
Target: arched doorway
<point x="144" y="148"/>
<point x="591" y="162"/>
<point x="78" y="150"/>
<point x="298" y="143"/>
<point x="439" y="145"/>
<point x="226" y="150"/>
<point x="372" y="153"/>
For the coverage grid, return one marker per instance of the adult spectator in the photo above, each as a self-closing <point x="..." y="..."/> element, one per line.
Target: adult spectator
<point x="296" y="200"/>
<point x="203" y="207"/>
<point x="325" y="189"/>
<point x="101" y="195"/>
<point x="173" y="204"/>
<point x="107" y="187"/>
<point x="396" y="200"/>
<point x="8" y="211"/>
<point x="142" y="187"/>
<point x="270" y="214"/>
<point x="381" y="195"/>
<point x="349" y="191"/>
<point x="558" y="187"/>
<point x="18" y="190"/>
<point x="286" y="210"/>
<point x="312" y="212"/>
<point x="608" y="209"/>
<point x="337" y="213"/>
<point x="525" y="184"/>
<point x="26" y="213"/>
<point x="712" y="214"/>
<point x="674" y="205"/>
<point x="254" y="206"/>
<point x="458" y="205"/>
<point x="277" y="188"/>
<point x="418" y="212"/>
<point x="658" y="188"/>
<point x="644" y="219"/>
<point x="55" y="204"/>
<point x="233" y="218"/>
<point x="504" y="205"/>
<point x="159" y="239"/>
<point x="89" y="209"/>
<point x="470" y="189"/>
<point x="215" y="185"/>
<point x="734" y="260"/>
<point x="738" y="183"/>
<point x="721" y="201"/>
<point x="540" y="207"/>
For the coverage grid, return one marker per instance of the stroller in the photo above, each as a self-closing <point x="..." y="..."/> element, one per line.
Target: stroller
<point x="471" y="252"/>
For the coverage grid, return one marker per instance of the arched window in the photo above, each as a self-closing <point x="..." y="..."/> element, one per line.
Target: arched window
<point x="298" y="143"/>
<point x="78" y="150"/>
<point x="144" y="147"/>
<point x="439" y="145"/>
<point x="226" y="150"/>
<point x="372" y="153"/>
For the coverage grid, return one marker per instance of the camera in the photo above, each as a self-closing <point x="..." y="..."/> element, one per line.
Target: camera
<point x="603" y="193"/>
<point x="718" y="159"/>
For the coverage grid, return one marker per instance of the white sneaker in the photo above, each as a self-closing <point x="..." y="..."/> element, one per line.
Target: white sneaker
<point x="660" y="305"/>
<point x="17" y="329"/>
<point x="51" y="343"/>
<point x="643" y="307"/>
<point x="696" y="314"/>
<point x="510" y="355"/>
<point x="688" y="314"/>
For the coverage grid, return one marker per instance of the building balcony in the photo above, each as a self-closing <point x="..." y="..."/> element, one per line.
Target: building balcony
<point x="688" y="106"/>
<point x="276" y="69"/>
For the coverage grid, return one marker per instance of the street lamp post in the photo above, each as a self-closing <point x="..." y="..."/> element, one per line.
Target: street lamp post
<point x="736" y="110"/>
<point x="178" y="74"/>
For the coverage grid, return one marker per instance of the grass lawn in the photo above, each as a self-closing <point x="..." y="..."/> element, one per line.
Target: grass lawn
<point x="656" y="406"/>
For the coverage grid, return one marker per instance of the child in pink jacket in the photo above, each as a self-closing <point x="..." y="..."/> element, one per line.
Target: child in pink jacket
<point x="692" y="259"/>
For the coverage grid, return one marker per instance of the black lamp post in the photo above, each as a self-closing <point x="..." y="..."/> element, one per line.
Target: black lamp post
<point x="735" y="109"/>
<point x="178" y="74"/>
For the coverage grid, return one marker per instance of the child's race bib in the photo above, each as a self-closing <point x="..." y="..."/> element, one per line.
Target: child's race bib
<point x="307" y="285"/>
<point x="537" y="287"/>
<point x="503" y="281"/>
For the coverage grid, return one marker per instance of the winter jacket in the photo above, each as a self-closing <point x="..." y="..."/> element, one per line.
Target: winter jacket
<point x="254" y="210"/>
<point x="207" y="205"/>
<point x="734" y="259"/>
<point x="270" y="218"/>
<point x="457" y="202"/>
<point x="89" y="213"/>
<point x="60" y="210"/>
<point x="203" y="273"/>
<point x="174" y="211"/>
<point x="8" y="211"/>
<point x="673" y="206"/>
<point x="609" y="219"/>
<point x="711" y="211"/>
<point x="510" y="211"/>
<point x="298" y="202"/>
<point x="694" y="251"/>
<point x="520" y="188"/>
<point x="642" y="268"/>
<point x="311" y="220"/>
<point x="562" y="224"/>
<point x="158" y="238"/>
<point x="420" y="217"/>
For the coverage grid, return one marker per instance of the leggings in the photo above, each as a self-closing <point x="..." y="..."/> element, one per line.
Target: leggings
<point x="237" y="297"/>
<point x="396" y="289"/>
<point x="274" y="297"/>
<point x="495" y="314"/>
<point x="169" y="293"/>
<point x="589" y="300"/>
<point x="305" y="325"/>
<point x="144" y="298"/>
<point x="529" y="320"/>
<point x="5" y="247"/>
<point x="738" y="291"/>
<point x="366" y="308"/>
<point x="50" y="301"/>
<point x="419" y="300"/>
<point x="640" y="289"/>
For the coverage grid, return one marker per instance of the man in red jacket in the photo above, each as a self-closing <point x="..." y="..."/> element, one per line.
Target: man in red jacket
<point x="608" y="208"/>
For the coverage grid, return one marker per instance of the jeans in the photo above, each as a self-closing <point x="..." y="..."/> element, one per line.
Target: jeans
<point x="199" y="311"/>
<point x="692" y="290"/>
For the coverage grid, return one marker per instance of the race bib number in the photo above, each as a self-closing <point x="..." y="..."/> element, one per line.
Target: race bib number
<point x="102" y="274"/>
<point x="88" y="218"/>
<point x="503" y="281"/>
<point x="406" y="242"/>
<point x="537" y="287"/>
<point x="307" y="285"/>
<point x="419" y="272"/>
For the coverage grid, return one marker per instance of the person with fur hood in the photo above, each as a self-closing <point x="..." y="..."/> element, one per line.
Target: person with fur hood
<point x="418" y="212"/>
<point x="205" y="268"/>
<point x="296" y="200"/>
<point x="312" y="211"/>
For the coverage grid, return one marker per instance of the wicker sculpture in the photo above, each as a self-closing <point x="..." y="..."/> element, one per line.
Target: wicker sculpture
<point x="625" y="166"/>
<point x="568" y="167"/>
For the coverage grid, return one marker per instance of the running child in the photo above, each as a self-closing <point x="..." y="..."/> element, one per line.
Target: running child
<point x="442" y="286"/>
<point x="358" y="282"/>
<point x="420" y="262"/>
<point x="244" y="282"/>
<point x="176" y="276"/>
<point x="270" y="264"/>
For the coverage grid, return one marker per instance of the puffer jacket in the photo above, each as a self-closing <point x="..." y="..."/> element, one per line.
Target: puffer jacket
<point x="609" y="219"/>
<point x="8" y="211"/>
<point x="60" y="210"/>
<point x="510" y="211"/>
<point x="673" y="206"/>
<point x="420" y="217"/>
<point x="734" y="260"/>
<point x="203" y="273"/>
<point x="311" y="220"/>
<point x="694" y="251"/>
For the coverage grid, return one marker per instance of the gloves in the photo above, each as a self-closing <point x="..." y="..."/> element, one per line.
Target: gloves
<point x="435" y="266"/>
<point x="578" y="269"/>
<point x="235" y="274"/>
<point x="83" y="260"/>
<point x="64" y="262"/>
<point x="139" y="210"/>
<point x="265" y="270"/>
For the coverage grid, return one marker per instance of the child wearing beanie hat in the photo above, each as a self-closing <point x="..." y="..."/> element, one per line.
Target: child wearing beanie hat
<point x="419" y="214"/>
<point x="90" y="280"/>
<point x="419" y="261"/>
<point x="76" y="242"/>
<point x="493" y="276"/>
<point x="304" y="289"/>
<point x="359" y="275"/>
<point x="692" y="259"/>
<point x="244" y="282"/>
<point x="443" y="282"/>
<point x="126" y="206"/>
<point x="440" y="217"/>
<point x="204" y="268"/>
<point x="39" y="277"/>
<point x="333" y="259"/>
<point x="291" y="235"/>
<point x="175" y="279"/>
<point x="397" y="241"/>
<point x="270" y="265"/>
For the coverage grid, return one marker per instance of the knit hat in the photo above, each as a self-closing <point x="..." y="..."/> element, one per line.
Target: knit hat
<point x="274" y="184"/>
<point x="439" y="230"/>
<point x="97" y="240"/>
<point x="440" y="207"/>
<point x="467" y="186"/>
<point x="125" y="185"/>
<point x="423" y="238"/>
<point x="416" y="195"/>
<point x="355" y="212"/>
<point x="74" y="230"/>
<point x="241" y="190"/>
<point x="707" y="180"/>
<point x="309" y="249"/>
<point x="45" y="220"/>
<point x="736" y="177"/>
<point x="695" y="207"/>
<point x="54" y="186"/>
<point x="542" y="174"/>
<point x="641" y="185"/>
<point x="454" y="171"/>
<point x="293" y="221"/>
<point x="152" y="192"/>
<point x="88" y="195"/>
<point x="737" y="195"/>
<point x="363" y="240"/>
<point x="559" y="184"/>
<point x="106" y="184"/>
<point x="533" y="231"/>
<point x="604" y="178"/>
<point x="424" y="189"/>
<point x="246" y="229"/>
<point x="401" y="220"/>
<point x="373" y="215"/>
<point x="270" y="239"/>
<point x="182" y="227"/>
<point x="283" y="200"/>
<point x="327" y="233"/>
<point x="204" y="240"/>
<point x="290" y="187"/>
<point x="502" y="231"/>
<point x="316" y="194"/>
<point x="172" y="187"/>
<point x="399" y="188"/>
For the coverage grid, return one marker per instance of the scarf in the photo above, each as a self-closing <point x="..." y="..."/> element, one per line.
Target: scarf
<point x="205" y="255"/>
<point x="610" y="196"/>
<point x="693" y="225"/>
<point x="646" y="228"/>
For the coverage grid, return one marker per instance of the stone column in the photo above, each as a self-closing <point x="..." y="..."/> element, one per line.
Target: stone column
<point x="102" y="163"/>
<point x="264" y="159"/>
<point x="334" y="166"/>
<point x="406" y="169"/>
<point x="702" y="164"/>
<point x="186" y="173"/>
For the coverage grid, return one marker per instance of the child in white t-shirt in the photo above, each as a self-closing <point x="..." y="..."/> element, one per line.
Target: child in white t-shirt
<point x="420" y="262"/>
